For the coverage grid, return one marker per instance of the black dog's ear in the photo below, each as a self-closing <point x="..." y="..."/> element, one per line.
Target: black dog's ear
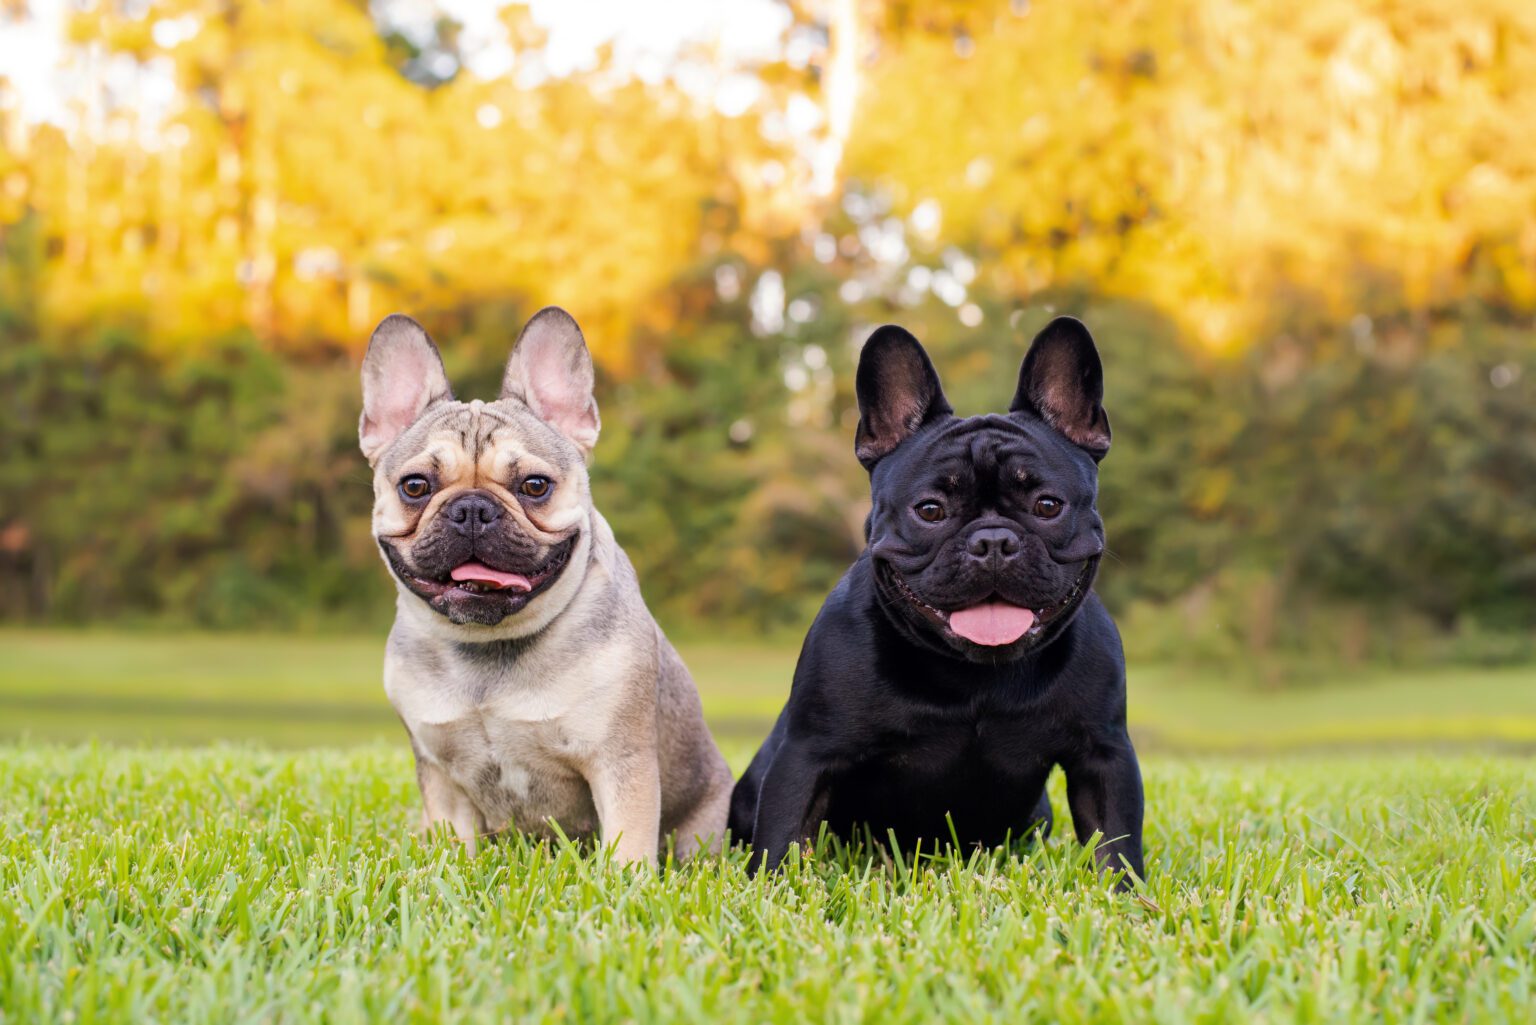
<point x="550" y="370"/>
<point x="402" y="376"/>
<point x="1062" y="382"/>
<point x="898" y="392"/>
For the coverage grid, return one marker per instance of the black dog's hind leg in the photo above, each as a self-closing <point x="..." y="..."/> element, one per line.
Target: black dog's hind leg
<point x="743" y="814"/>
<point x="790" y="805"/>
<point x="1041" y="819"/>
<point x="743" y="817"/>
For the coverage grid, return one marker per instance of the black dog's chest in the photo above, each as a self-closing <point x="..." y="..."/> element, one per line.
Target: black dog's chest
<point x="976" y="777"/>
<point x="963" y="741"/>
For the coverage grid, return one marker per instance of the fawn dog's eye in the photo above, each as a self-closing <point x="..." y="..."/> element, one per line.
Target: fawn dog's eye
<point x="415" y="487"/>
<point x="536" y="486"/>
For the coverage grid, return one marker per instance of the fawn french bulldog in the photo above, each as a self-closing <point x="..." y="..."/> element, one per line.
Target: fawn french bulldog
<point x="533" y="682"/>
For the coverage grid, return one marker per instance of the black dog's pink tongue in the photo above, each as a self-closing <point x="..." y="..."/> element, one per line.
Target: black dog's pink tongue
<point x="480" y="573"/>
<point x="992" y="623"/>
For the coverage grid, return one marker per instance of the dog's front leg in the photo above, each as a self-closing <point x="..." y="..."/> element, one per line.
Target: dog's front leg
<point x="443" y="800"/>
<point x="790" y="805"/>
<point x="627" y="793"/>
<point x="1104" y="792"/>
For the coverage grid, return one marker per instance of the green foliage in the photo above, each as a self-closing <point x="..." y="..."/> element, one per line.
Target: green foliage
<point x="729" y="490"/>
<point x="230" y="884"/>
<point x="170" y="486"/>
<point x="1344" y="498"/>
<point x="1406" y="467"/>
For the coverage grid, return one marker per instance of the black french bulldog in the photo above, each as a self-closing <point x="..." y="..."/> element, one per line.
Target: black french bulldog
<point x="964" y="655"/>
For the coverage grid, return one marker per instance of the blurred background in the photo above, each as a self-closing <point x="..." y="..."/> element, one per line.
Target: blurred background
<point x="1304" y="236"/>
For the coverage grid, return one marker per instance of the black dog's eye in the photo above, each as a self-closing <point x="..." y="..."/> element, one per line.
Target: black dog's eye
<point x="415" y="487"/>
<point x="931" y="511"/>
<point x="536" y="486"/>
<point x="1048" y="508"/>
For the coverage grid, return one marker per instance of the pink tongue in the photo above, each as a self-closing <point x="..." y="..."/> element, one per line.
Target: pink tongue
<point x="992" y="623"/>
<point x="480" y="573"/>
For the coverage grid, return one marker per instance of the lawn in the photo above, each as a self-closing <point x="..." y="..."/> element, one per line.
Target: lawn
<point x="237" y="884"/>
<point x="300" y="691"/>
<point x="277" y="879"/>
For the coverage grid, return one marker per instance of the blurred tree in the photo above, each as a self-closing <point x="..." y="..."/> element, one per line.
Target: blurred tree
<point x="1304" y="236"/>
<point x="302" y="185"/>
<point x="1219" y="160"/>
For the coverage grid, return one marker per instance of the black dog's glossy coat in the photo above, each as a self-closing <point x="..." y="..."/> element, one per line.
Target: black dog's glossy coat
<point x="897" y="723"/>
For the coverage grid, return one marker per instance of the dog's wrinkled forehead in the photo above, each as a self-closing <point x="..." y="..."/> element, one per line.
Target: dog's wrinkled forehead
<point x="456" y="436"/>
<point x="987" y="451"/>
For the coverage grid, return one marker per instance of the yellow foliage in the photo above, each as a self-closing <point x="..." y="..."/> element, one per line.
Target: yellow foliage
<point x="304" y="188"/>
<point x="1220" y="159"/>
<point x="1213" y="156"/>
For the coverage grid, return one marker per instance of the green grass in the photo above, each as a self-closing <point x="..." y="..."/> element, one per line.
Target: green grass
<point x="254" y="883"/>
<point x="300" y="691"/>
<point x="232" y="884"/>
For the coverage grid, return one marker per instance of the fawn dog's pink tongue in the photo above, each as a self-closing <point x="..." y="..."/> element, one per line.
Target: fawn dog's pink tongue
<point x="480" y="573"/>
<point x="992" y="623"/>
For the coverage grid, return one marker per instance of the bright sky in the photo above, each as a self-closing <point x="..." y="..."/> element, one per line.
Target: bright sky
<point x="645" y="37"/>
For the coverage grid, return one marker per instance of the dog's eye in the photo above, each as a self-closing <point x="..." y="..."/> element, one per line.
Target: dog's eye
<point x="931" y="511"/>
<point x="415" y="487"/>
<point x="1047" y="507"/>
<point x="536" y="486"/>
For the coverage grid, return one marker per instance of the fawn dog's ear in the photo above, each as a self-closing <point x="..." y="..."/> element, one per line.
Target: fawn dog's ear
<point x="402" y="378"/>
<point x="550" y="371"/>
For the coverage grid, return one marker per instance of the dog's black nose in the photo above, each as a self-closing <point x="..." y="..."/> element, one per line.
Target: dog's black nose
<point x="993" y="543"/>
<point x="472" y="512"/>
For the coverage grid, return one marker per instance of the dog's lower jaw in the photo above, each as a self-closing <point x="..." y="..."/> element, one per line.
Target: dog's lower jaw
<point x="929" y="627"/>
<point x="538" y="612"/>
<point x="467" y="606"/>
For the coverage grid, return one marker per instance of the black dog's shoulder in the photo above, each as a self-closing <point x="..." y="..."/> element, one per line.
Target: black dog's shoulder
<point x="1084" y="677"/>
<point x="1090" y="652"/>
<point x="833" y="670"/>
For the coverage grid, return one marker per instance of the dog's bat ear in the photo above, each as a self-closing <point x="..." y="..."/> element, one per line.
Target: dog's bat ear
<point x="402" y="377"/>
<point x="550" y="371"/>
<point x="1062" y="383"/>
<point x="898" y="392"/>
